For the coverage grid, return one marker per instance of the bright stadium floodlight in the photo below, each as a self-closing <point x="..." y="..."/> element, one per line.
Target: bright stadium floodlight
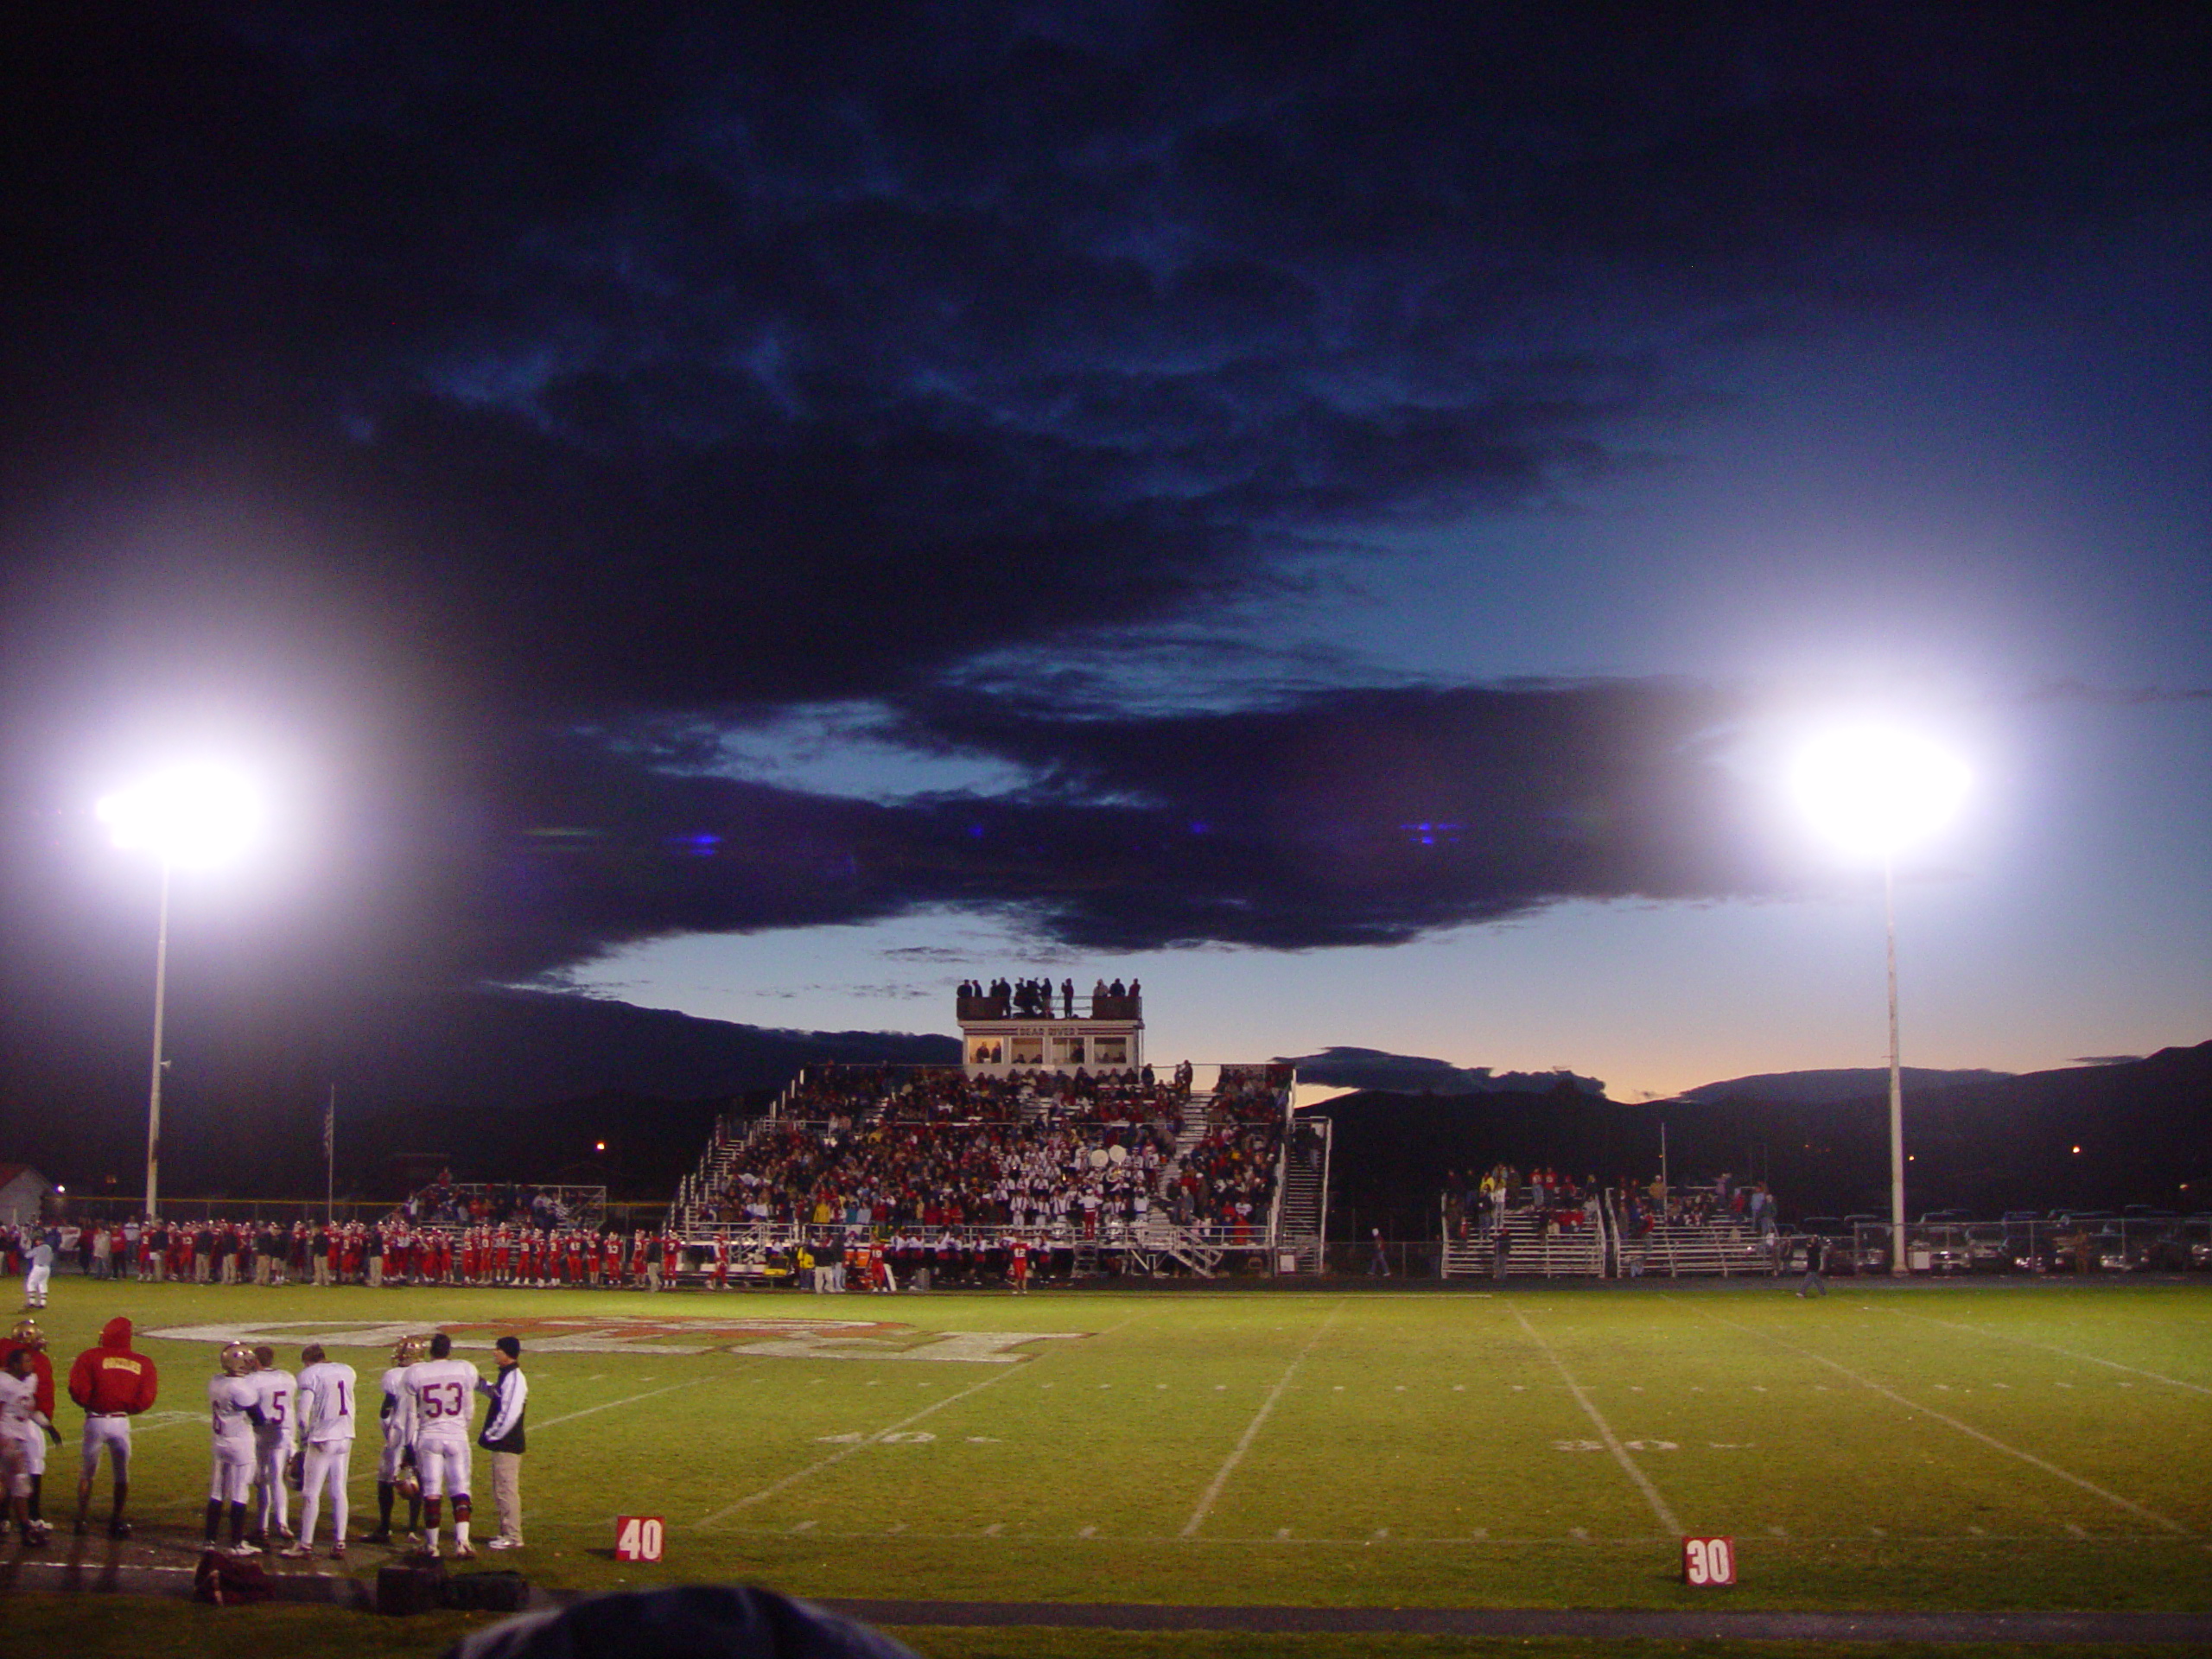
<point x="193" y="816"/>
<point x="1874" y="791"/>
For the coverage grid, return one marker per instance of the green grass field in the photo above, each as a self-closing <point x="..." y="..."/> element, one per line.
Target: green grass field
<point x="2020" y="1445"/>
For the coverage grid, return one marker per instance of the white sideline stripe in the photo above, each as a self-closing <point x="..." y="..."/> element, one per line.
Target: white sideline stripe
<point x="1966" y="1429"/>
<point x="1612" y="1442"/>
<point x="842" y="1452"/>
<point x="1212" y="1492"/>
<point x="2049" y="1348"/>
<point x="555" y="1422"/>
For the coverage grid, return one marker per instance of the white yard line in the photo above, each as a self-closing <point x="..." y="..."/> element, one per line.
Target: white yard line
<point x="1966" y="1429"/>
<point x="1244" y="1443"/>
<point x="1605" y="1430"/>
<point x="2051" y="1348"/>
<point x="555" y="1422"/>
<point x="858" y="1446"/>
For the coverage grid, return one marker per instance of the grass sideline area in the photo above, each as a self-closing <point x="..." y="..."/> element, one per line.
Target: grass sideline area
<point x="2004" y="1446"/>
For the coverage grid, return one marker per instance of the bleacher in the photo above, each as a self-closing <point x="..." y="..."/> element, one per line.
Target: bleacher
<point x="1620" y="1241"/>
<point x="1124" y="1175"/>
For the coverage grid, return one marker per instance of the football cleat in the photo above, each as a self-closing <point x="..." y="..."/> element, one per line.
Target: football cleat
<point x="295" y="1552"/>
<point x="464" y="1552"/>
<point x="245" y="1547"/>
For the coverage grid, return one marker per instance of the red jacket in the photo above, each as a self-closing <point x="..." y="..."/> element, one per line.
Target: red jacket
<point x="111" y="1377"/>
<point x="41" y="1371"/>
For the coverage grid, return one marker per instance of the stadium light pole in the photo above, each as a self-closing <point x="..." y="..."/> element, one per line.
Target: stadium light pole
<point x="193" y="815"/>
<point x="1874" y="791"/>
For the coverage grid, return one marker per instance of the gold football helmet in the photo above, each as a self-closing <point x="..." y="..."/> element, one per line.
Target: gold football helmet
<point x="237" y="1359"/>
<point x="409" y="1350"/>
<point x="27" y="1332"/>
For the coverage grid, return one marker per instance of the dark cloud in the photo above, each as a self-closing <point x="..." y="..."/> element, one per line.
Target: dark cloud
<point x="1355" y="817"/>
<point x="689" y="357"/>
<point x="442" y="391"/>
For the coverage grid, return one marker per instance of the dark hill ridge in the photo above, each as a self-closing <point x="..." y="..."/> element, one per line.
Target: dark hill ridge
<point x="511" y="1082"/>
<point x="2144" y="1128"/>
<point x="1411" y="1074"/>
<point x="1826" y="1088"/>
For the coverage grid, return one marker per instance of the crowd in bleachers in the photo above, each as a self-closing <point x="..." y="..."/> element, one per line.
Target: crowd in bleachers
<point x="446" y="1203"/>
<point x="1475" y="1205"/>
<point x="1077" y="1154"/>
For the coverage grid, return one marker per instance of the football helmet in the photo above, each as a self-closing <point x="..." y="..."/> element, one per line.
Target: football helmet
<point x="409" y="1350"/>
<point x="27" y="1332"/>
<point x="237" y="1359"/>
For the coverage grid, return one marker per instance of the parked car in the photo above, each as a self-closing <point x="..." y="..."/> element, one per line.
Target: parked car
<point x="1990" y="1248"/>
<point x="1947" y="1248"/>
<point x="2113" y="1252"/>
<point x="1864" y="1246"/>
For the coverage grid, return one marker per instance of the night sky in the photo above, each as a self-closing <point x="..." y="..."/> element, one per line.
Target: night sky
<point x="1342" y="512"/>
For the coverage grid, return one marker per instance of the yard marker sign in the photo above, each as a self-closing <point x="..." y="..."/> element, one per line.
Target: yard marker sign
<point x="639" y="1537"/>
<point x="1707" y="1562"/>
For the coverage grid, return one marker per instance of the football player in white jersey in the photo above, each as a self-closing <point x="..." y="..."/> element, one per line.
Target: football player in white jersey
<point x="326" y="1401"/>
<point x="235" y="1407"/>
<point x="274" y="1437"/>
<point x="435" y="1396"/>
<point x="391" y="1461"/>
<point x="23" y="1427"/>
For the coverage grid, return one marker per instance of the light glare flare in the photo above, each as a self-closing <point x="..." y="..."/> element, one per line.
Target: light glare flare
<point x="1874" y="789"/>
<point x="193" y="815"/>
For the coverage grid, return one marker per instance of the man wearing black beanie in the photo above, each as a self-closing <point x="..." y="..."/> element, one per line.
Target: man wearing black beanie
<point x="502" y="1438"/>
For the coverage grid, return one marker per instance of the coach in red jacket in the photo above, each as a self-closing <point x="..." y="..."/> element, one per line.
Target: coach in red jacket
<point x="113" y="1385"/>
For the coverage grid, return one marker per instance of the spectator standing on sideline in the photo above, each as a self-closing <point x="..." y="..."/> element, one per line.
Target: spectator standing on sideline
<point x="1378" y="1265"/>
<point x="507" y="1392"/>
<point x="1815" y="1253"/>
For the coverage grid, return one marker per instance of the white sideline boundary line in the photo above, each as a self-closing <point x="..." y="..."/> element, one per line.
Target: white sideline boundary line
<point x="1212" y="1493"/>
<point x="1966" y="1429"/>
<point x="2051" y="1348"/>
<point x="1604" y="1430"/>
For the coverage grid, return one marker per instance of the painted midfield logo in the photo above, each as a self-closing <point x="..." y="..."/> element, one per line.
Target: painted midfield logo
<point x="766" y="1339"/>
